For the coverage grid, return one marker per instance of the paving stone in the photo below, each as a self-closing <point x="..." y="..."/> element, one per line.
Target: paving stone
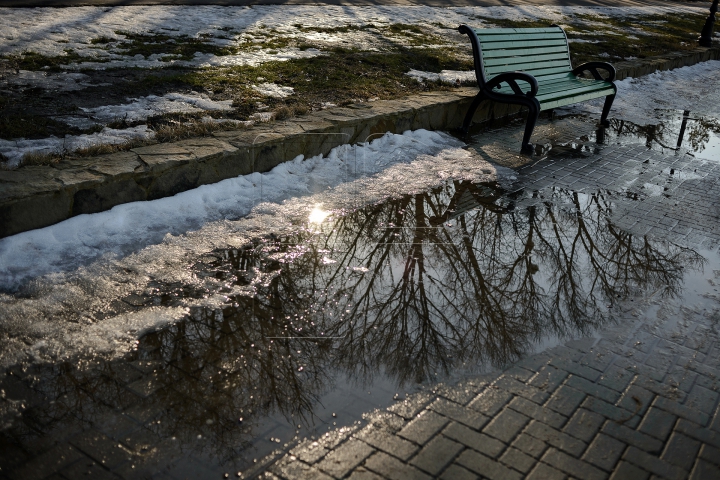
<point x="427" y="424"/>
<point x="565" y="400"/>
<point x="703" y="470"/>
<point x="576" y="369"/>
<point x="555" y="438"/>
<point x="710" y="453"/>
<point x="530" y="445"/>
<point x="344" y="458"/>
<point x="548" y="378"/>
<point x="592" y="388"/>
<point x="362" y="473"/>
<point x="533" y="410"/>
<point x="456" y="412"/>
<point x="382" y="440"/>
<point x="506" y="425"/>
<point x="485" y="466"/>
<point x="409" y="408"/>
<point x="516" y="459"/>
<point x="628" y="471"/>
<point x="456" y="472"/>
<point x="309" y="451"/>
<point x="391" y="467"/>
<point x="584" y="424"/>
<point x="657" y="423"/>
<point x="604" y="452"/>
<point x="475" y="440"/>
<point x="610" y="411"/>
<point x="616" y="378"/>
<point x="568" y="464"/>
<point x="491" y="401"/>
<point x="702" y="399"/>
<point x="681" y="451"/>
<point x="681" y="411"/>
<point x="519" y="373"/>
<point x="292" y="469"/>
<point x="436" y="454"/>
<point x="695" y="431"/>
<point x="632" y="437"/>
<point x="636" y="399"/>
<point x="513" y="386"/>
<point x="653" y="464"/>
<point x="545" y="472"/>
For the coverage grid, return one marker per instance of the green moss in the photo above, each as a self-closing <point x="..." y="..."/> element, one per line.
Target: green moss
<point x="101" y="40"/>
<point x="180" y="46"/>
<point x="35" y="61"/>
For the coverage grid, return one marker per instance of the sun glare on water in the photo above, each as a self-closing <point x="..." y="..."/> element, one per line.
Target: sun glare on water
<point x="318" y="215"/>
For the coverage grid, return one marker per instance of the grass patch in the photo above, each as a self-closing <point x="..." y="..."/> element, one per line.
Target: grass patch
<point x="341" y="78"/>
<point x="36" y="61"/>
<point x="639" y="37"/>
<point x="181" y="46"/>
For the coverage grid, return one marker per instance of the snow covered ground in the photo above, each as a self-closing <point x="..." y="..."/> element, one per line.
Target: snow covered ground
<point x="52" y="31"/>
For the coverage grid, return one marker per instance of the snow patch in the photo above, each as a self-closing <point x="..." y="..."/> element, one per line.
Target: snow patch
<point x="445" y="76"/>
<point x="14" y="150"/>
<point x="140" y="109"/>
<point x="274" y="90"/>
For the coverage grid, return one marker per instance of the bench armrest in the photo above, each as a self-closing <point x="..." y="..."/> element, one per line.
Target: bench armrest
<point x="593" y="67"/>
<point x="511" y="79"/>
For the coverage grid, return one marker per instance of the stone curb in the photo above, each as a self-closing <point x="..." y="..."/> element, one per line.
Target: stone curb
<point x="37" y="196"/>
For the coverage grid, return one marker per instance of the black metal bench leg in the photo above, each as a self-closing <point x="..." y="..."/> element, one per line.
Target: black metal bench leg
<point x="606" y="110"/>
<point x="471" y="112"/>
<point x="533" y="115"/>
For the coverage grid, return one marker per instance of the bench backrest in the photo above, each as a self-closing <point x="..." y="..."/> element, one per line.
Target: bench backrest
<point x="541" y="52"/>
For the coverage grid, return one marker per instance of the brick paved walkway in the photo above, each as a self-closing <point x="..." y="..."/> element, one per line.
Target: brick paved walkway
<point x="636" y="400"/>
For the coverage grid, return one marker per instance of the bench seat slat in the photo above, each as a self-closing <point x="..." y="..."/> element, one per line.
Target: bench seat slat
<point x="512" y="62"/>
<point x="500" y="31"/>
<point x="492" y="54"/>
<point x="539" y="72"/>
<point x="523" y="44"/>
<point x="561" y="102"/>
<point x="537" y="37"/>
<point x="559" y="65"/>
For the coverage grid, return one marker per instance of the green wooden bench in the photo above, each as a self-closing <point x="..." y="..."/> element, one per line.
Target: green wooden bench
<point x="531" y="67"/>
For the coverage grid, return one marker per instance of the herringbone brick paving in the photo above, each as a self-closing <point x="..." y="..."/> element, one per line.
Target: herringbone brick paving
<point x="637" y="400"/>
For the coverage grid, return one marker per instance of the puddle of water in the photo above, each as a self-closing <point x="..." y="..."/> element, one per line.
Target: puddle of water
<point x="344" y="314"/>
<point x="676" y="133"/>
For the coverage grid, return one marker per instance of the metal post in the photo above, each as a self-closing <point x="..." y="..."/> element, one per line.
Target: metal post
<point x="686" y="115"/>
<point x="707" y="31"/>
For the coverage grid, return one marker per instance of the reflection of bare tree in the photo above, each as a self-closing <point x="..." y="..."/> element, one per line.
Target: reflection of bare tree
<point x="410" y="287"/>
<point x="693" y="131"/>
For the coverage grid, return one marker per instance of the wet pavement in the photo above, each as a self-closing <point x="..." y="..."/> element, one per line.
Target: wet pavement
<point x="558" y="319"/>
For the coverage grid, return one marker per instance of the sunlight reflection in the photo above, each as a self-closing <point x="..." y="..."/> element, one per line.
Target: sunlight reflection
<point x="318" y="215"/>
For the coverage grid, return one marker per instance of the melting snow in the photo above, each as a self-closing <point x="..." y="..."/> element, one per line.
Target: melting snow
<point x="273" y="90"/>
<point x="445" y="76"/>
<point x="141" y="108"/>
<point x="14" y="150"/>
